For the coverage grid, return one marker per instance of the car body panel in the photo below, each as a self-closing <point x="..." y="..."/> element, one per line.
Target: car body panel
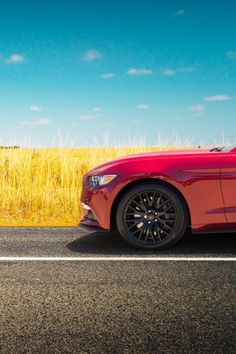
<point x="228" y="182"/>
<point x="205" y="179"/>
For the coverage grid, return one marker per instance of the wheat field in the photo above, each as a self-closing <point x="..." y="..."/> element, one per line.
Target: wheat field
<point x="41" y="187"/>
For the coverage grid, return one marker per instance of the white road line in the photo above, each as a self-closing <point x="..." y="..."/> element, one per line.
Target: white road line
<point x="121" y="258"/>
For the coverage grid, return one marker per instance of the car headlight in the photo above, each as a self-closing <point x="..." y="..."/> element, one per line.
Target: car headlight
<point x="101" y="180"/>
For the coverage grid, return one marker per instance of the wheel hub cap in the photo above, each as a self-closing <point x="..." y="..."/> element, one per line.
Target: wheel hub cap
<point x="151" y="217"/>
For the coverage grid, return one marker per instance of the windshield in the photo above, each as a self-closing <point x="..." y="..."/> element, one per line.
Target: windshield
<point x="223" y="148"/>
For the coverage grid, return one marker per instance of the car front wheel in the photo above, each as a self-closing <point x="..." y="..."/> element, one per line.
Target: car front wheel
<point x="151" y="216"/>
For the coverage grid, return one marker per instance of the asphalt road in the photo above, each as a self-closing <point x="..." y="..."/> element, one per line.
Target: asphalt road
<point x="110" y="306"/>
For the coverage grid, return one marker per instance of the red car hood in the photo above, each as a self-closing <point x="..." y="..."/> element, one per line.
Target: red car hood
<point x="146" y="155"/>
<point x="164" y="153"/>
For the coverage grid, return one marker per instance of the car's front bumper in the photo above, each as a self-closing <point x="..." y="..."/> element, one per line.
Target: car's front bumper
<point x="90" y="228"/>
<point x="89" y="222"/>
<point x="99" y="201"/>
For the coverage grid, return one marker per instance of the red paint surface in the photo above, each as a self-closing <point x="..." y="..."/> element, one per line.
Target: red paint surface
<point x="207" y="181"/>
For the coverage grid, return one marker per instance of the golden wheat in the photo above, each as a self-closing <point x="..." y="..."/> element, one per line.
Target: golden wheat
<point x="40" y="187"/>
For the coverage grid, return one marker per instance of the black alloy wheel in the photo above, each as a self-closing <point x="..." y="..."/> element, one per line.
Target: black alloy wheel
<point x="151" y="216"/>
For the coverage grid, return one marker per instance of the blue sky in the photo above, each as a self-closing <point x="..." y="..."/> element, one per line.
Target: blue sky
<point x="86" y="70"/>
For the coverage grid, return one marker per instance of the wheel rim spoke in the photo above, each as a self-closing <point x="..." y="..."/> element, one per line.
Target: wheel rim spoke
<point x="141" y="233"/>
<point x="139" y="205"/>
<point x="150" y="217"/>
<point x="134" y="224"/>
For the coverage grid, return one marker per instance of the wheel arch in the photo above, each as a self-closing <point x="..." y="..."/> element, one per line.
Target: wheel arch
<point x="128" y="186"/>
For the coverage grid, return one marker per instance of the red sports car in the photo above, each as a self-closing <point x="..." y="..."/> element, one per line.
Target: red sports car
<point x="152" y="198"/>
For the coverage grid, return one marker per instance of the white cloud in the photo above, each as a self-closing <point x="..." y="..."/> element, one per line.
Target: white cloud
<point x="87" y="117"/>
<point x="198" y="114"/>
<point x="15" y="58"/>
<point x="179" y="13"/>
<point x="142" y="106"/>
<point x="231" y="54"/>
<point x="96" y="110"/>
<point x="198" y="108"/>
<point x="108" y="76"/>
<point x="45" y="121"/>
<point x="35" y="107"/>
<point x="170" y="110"/>
<point x="143" y="71"/>
<point x="169" y="72"/>
<point x="217" y="98"/>
<point x="92" y="55"/>
<point x="137" y="121"/>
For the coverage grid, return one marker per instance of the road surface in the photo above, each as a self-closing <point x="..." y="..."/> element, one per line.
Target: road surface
<point x="57" y="296"/>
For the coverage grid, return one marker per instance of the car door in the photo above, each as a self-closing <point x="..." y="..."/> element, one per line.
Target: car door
<point x="228" y="183"/>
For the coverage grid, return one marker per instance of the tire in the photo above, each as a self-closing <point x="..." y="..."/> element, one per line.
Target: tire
<point x="151" y="216"/>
